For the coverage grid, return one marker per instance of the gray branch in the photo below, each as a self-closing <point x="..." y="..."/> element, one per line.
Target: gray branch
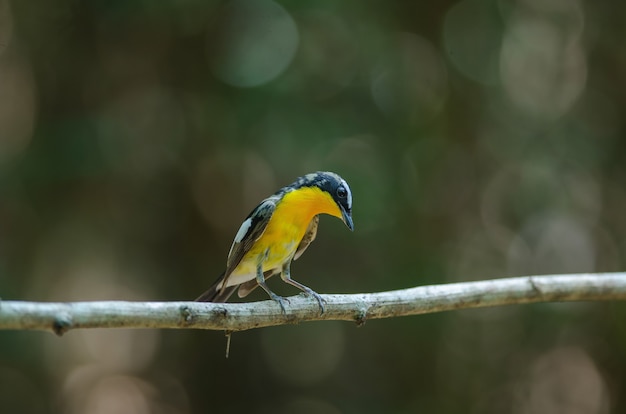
<point x="61" y="317"/>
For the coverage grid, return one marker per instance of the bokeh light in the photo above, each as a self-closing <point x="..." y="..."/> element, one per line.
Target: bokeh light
<point x="543" y="65"/>
<point x="254" y="42"/>
<point x="472" y="35"/>
<point x="563" y="380"/>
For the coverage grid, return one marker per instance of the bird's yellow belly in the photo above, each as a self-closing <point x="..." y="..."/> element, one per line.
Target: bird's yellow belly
<point x="275" y="248"/>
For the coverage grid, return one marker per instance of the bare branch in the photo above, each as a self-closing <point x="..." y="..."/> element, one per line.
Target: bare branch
<point x="61" y="317"/>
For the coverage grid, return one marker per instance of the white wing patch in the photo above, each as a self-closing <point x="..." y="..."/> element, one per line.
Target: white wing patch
<point x="243" y="230"/>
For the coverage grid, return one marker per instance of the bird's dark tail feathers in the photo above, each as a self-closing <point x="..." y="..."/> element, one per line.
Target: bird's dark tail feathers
<point x="214" y="294"/>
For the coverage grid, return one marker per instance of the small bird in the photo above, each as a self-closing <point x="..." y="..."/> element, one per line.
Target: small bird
<point x="278" y="231"/>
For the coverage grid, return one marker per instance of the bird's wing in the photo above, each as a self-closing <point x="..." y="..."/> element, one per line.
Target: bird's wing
<point x="250" y="231"/>
<point x="308" y="238"/>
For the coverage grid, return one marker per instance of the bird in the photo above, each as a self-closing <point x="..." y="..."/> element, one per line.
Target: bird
<point x="277" y="232"/>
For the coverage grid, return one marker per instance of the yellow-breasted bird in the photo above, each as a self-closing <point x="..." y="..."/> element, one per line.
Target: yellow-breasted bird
<point x="278" y="231"/>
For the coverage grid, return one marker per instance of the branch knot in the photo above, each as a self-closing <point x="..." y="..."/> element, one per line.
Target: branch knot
<point x="61" y="324"/>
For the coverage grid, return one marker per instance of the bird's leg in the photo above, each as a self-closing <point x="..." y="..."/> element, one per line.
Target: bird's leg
<point x="286" y="276"/>
<point x="260" y="279"/>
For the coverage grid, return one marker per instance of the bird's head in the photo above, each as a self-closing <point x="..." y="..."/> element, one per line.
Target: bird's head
<point x="336" y="187"/>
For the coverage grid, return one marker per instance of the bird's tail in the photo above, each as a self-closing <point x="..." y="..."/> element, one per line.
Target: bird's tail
<point x="215" y="294"/>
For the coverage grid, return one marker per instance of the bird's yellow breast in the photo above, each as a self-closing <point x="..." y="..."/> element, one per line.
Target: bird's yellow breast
<point x="285" y="230"/>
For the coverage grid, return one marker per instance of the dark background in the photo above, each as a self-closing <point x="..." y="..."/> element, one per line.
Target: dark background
<point x="481" y="139"/>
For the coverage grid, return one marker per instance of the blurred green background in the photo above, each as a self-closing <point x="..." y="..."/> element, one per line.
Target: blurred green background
<point x="481" y="139"/>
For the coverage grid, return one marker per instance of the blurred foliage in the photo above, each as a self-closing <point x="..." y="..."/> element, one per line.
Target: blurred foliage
<point x="481" y="138"/>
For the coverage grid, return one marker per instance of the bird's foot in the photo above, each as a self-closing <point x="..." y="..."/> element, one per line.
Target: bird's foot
<point x="318" y="297"/>
<point x="281" y="301"/>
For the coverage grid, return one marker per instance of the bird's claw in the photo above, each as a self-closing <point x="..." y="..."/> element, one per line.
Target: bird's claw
<point x="319" y="299"/>
<point x="281" y="301"/>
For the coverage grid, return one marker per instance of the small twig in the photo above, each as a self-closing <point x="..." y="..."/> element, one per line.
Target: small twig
<point x="229" y="335"/>
<point x="61" y="317"/>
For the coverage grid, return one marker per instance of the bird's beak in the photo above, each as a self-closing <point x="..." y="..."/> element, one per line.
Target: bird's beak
<point x="346" y="216"/>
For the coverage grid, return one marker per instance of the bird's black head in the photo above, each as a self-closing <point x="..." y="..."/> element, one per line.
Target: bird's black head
<point x="334" y="185"/>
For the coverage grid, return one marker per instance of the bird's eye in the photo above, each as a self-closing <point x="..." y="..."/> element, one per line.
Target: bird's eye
<point x="341" y="192"/>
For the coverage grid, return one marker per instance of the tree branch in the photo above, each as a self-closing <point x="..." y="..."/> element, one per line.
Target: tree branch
<point x="61" y="317"/>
